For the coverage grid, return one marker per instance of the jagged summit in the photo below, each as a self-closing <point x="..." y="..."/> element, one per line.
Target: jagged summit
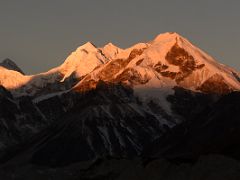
<point x="88" y="46"/>
<point x="122" y="108"/>
<point x="167" y="36"/>
<point x="11" y="65"/>
<point x="110" y="46"/>
<point x="82" y="61"/>
<point x="111" y="50"/>
<point x="168" y="60"/>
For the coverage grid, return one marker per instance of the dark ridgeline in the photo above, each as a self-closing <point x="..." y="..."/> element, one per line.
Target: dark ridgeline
<point x="209" y="128"/>
<point x="11" y="65"/>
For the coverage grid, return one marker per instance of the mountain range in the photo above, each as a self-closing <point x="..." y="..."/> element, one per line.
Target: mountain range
<point x="155" y="108"/>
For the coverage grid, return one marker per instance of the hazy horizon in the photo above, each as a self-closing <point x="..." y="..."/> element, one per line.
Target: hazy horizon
<point x="40" y="35"/>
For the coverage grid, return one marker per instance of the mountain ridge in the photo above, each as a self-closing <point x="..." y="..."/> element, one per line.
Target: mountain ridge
<point x="156" y="107"/>
<point x="153" y="61"/>
<point x="11" y="65"/>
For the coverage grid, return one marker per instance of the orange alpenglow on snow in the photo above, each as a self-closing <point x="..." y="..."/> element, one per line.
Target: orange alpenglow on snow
<point x="168" y="60"/>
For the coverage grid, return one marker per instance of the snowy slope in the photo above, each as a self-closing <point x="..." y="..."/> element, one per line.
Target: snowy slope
<point x="11" y="79"/>
<point x="152" y="70"/>
<point x="110" y="50"/>
<point x="78" y="64"/>
<point x="83" y="61"/>
<point x="137" y="95"/>
<point x="21" y="84"/>
<point x="167" y="61"/>
<point x="9" y="64"/>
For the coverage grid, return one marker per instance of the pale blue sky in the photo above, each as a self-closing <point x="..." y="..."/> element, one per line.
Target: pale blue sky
<point x="39" y="35"/>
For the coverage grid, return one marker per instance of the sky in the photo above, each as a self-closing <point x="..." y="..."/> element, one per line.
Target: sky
<point x="39" y="35"/>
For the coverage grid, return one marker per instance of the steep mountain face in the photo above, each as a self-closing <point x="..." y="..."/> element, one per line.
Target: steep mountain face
<point x="19" y="119"/>
<point x="169" y="60"/>
<point x="11" y="79"/>
<point x="34" y="85"/>
<point x="62" y="78"/>
<point x="213" y="131"/>
<point x="105" y="122"/>
<point x="183" y="152"/>
<point x="83" y="61"/>
<point x="109" y="121"/>
<point x="111" y="51"/>
<point x="165" y="99"/>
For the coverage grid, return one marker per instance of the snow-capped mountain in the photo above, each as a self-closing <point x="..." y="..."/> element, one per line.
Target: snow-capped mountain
<point x="82" y="61"/>
<point x="110" y="102"/>
<point x="78" y="64"/>
<point x="151" y="70"/>
<point x="167" y="61"/>
<point x="110" y="50"/>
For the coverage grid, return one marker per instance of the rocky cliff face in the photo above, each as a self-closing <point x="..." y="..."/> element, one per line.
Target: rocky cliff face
<point x="19" y="120"/>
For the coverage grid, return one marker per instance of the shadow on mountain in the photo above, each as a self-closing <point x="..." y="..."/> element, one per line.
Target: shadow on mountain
<point x="38" y="85"/>
<point x="215" y="130"/>
<point x="108" y="133"/>
<point x="106" y="121"/>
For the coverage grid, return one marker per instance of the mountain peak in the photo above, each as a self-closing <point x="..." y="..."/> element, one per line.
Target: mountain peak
<point x="110" y="44"/>
<point x="7" y="60"/>
<point x="169" y="60"/>
<point x="110" y="50"/>
<point x="88" y="46"/>
<point x="167" y="37"/>
<point x="82" y="61"/>
<point x="11" y="65"/>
